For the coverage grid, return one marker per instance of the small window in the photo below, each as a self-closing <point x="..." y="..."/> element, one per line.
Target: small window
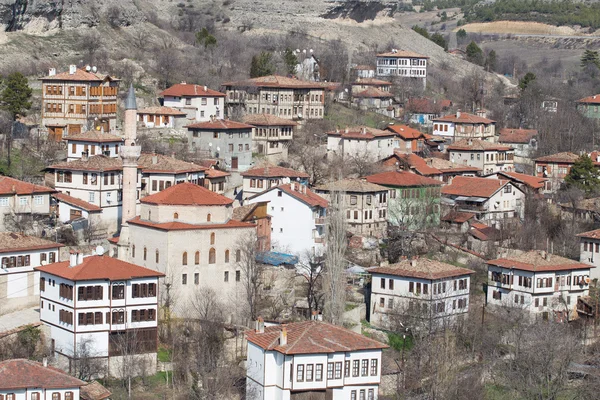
<point x="196" y="278"/>
<point x="197" y="258"/>
<point x="226" y="276"/>
<point x="238" y="276"/>
<point x="176" y="216"/>
<point x="184" y="258"/>
<point x="184" y="279"/>
<point x="212" y="238"/>
<point x="212" y="256"/>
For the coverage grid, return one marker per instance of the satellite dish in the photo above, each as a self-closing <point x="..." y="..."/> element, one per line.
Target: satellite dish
<point x="88" y="68"/>
<point x="311" y="51"/>
<point x="44" y="262"/>
<point x="210" y="145"/>
<point x="94" y="69"/>
<point x="218" y="149"/>
<point x="99" y="250"/>
<point x="304" y="51"/>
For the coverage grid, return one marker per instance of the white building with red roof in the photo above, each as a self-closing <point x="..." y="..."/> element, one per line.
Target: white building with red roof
<point x="361" y="142"/>
<point x="418" y="293"/>
<point x="589" y="251"/>
<point x="198" y="102"/>
<point x="265" y="176"/>
<point x="557" y="166"/>
<point x="187" y="232"/>
<point x="22" y="202"/>
<point x="486" y="156"/>
<point x="297" y="218"/>
<point x="91" y="143"/>
<point x="464" y="126"/>
<point x="523" y="141"/>
<point x="309" y="359"/>
<point x="162" y="117"/>
<point x="101" y="306"/>
<point x="271" y="135"/>
<point x="539" y="282"/>
<point x="403" y="64"/>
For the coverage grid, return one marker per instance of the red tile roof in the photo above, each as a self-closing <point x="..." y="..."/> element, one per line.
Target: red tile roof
<point x="422" y="268"/>
<point x="473" y="186"/>
<point x="212" y="173"/>
<point x="10" y="241"/>
<point x="352" y="186"/>
<point x="371" y="82"/>
<point x="418" y="164"/>
<point x="94" y="136"/>
<point x="595" y="234"/>
<point x="595" y="99"/>
<point x="79" y="75"/>
<point x="509" y="135"/>
<point x="312" y="337"/>
<point x="99" y="163"/>
<point x="405" y="132"/>
<point x="94" y="391"/>
<point x="187" y="194"/>
<point x="477" y="145"/>
<point x="267" y="120"/>
<point x="427" y="106"/>
<point x="161" y="111"/>
<point x="23" y="374"/>
<point x="99" y="267"/>
<point x="219" y="124"/>
<point x="465" y="118"/>
<point x="534" y="182"/>
<point x="309" y="197"/>
<point x="165" y="164"/>
<point x="402" y="54"/>
<point x="402" y="179"/>
<point x="182" y="226"/>
<point x="76" y="202"/>
<point x="373" y="92"/>
<point x="483" y="232"/>
<point x="564" y="157"/>
<point x="273" y="171"/>
<point x="458" y="217"/>
<point x="361" y="132"/>
<point x="190" y="90"/>
<point x="276" y="81"/>
<point x="534" y="261"/>
<point x="14" y="186"/>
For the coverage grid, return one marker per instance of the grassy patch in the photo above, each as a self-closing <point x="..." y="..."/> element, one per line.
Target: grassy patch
<point x="350" y="306"/>
<point x="164" y="354"/>
<point x="343" y="117"/>
<point x="495" y="392"/>
<point x="398" y="343"/>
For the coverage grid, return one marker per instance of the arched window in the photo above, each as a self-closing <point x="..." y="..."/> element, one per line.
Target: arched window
<point x="212" y="256"/>
<point x="184" y="258"/>
<point x="176" y="216"/>
<point x="145" y="253"/>
<point x="133" y="251"/>
<point x="207" y="217"/>
<point x="157" y="256"/>
<point x="197" y="258"/>
<point x="212" y="238"/>
<point x="238" y="255"/>
<point x="226" y="256"/>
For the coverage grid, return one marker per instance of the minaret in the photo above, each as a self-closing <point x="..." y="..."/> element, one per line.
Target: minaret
<point x="130" y="153"/>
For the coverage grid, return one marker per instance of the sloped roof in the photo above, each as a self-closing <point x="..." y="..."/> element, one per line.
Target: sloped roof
<point x="94" y="136"/>
<point x="190" y="90"/>
<point x="309" y="197"/>
<point x="186" y="194"/>
<point x="595" y="234"/>
<point x="219" y="124"/>
<point x="484" y="232"/>
<point x="276" y="81"/>
<point x="162" y="110"/>
<point x="534" y="261"/>
<point x="564" y="157"/>
<point x="79" y="75"/>
<point x="12" y="186"/>
<point x="240" y="213"/>
<point x="595" y="99"/>
<point x="165" y="164"/>
<point x="405" y="131"/>
<point x="402" y="54"/>
<point x="591" y="204"/>
<point x="423" y="268"/>
<point x="98" y="267"/>
<point x="534" y="182"/>
<point x="371" y="82"/>
<point x="23" y="374"/>
<point x="98" y="163"/>
<point x="418" y="164"/>
<point x="312" y="337"/>
<point x="458" y="217"/>
<point x="477" y="145"/>
<point x="212" y="173"/>
<point x="402" y="179"/>
<point x="183" y="226"/>
<point x="473" y="186"/>
<point x="465" y="118"/>
<point x="509" y="135"/>
<point x="373" y="92"/>
<point x="76" y="202"/>
<point x="11" y="241"/>
<point x="447" y="166"/>
<point x="267" y="120"/>
<point x="94" y="391"/>
<point x="360" y="132"/>
<point x="273" y="171"/>
<point x="352" y="185"/>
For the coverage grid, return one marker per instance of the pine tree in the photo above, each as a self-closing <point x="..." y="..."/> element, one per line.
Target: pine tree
<point x="474" y="54"/>
<point x="526" y="80"/>
<point x="438" y="39"/>
<point x="262" y="65"/>
<point x="290" y="60"/>
<point x="16" y="99"/>
<point x="584" y="175"/>
<point x="491" y="61"/>
<point x="421" y="31"/>
<point x="590" y="57"/>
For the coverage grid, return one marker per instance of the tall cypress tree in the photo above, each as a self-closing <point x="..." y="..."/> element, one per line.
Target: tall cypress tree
<point x="16" y="99"/>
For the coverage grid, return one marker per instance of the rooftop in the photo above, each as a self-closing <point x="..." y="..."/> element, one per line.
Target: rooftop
<point x="510" y="135"/>
<point x="405" y="131"/>
<point x="157" y="163"/>
<point x="477" y="145"/>
<point x="591" y="204"/>
<point x="595" y="234"/>
<point x="534" y="182"/>
<point x="186" y="194"/>
<point x="11" y="242"/>
<point x="162" y="110"/>
<point x="352" y="185"/>
<point x="538" y="261"/>
<point x="273" y="171"/>
<point x="361" y="132"/>
<point x="23" y="374"/>
<point x="307" y="196"/>
<point x="94" y="136"/>
<point x="190" y="90"/>
<point x="464" y="118"/>
<point x="473" y="186"/>
<point x="564" y="157"/>
<point x="402" y="179"/>
<point x="276" y="81"/>
<point x="422" y="268"/>
<point x="402" y="54"/>
<point x="213" y="173"/>
<point x="371" y="82"/>
<point x="94" y="391"/>
<point x="448" y="166"/>
<point x="458" y="217"/>
<point x="484" y="232"/>
<point x="84" y="205"/>
<point x="595" y="99"/>
<point x="13" y="186"/>
<point x="267" y="120"/>
<point x="183" y="226"/>
<point x="373" y="92"/>
<point x="79" y="75"/>
<point x="219" y="124"/>
<point x="99" y="163"/>
<point x="416" y="163"/>
<point x="312" y="337"/>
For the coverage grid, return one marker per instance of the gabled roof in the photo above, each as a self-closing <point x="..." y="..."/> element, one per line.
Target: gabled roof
<point x="11" y="242"/>
<point x="484" y="232"/>
<point x="477" y="145"/>
<point x="564" y="157"/>
<point x="267" y="120"/>
<point x="94" y="391"/>
<point x="242" y="212"/>
<point x="464" y="118"/>
<point x="417" y="164"/>
<point x="312" y="337"/>
<point x="218" y="124"/>
<point x="538" y="261"/>
<point x="23" y="374"/>
<point x="276" y="81"/>
<point x="427" y="106"/>
<point x="595" y="99"/>
<point x="84" y="205"/>
<point x="165" y="164"/>
<point x="509" y="135"/>
<point x="405" y="132"/>
<point x="213" y="173"/>
<point x="299" y="192"/>
<point x="371" y="82"/>
<point x="94" y="136"/>
<point x="184" y="226"/>
<point x="13" y="186"/>
<point x="458" y="217"/>
<point x="473" y="186"/>
<point x="273" y="171"/>
<point x="190" y="90"/>
<point x="422" y="268"/>
<point x="186" y="194"/>
<point x="99" y="267"/>
<point x="161" y="111"/>
<point x="402" y="179"/>
<point x="595" y="234"/>
<point x="446" y="166"/>
<point x="361" y="133"/>
<point x="402" y="54"/>
<point x="373" y="92"/>
<point x="534" y="182"/>
<point x="352" y="186"/>
<point x="98" y="163"/>
<point x="79" y="75"/>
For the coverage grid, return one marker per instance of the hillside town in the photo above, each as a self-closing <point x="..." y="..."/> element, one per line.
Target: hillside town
<point x="283" y="235"/>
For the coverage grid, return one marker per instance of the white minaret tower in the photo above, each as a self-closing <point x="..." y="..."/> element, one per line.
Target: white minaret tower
<point x="130" y="153"/>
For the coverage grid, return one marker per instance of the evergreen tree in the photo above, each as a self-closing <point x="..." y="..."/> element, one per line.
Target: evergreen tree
<point x="491" y="61"/>
<point x="590" y="57"/>
<point x="474" y="54"/>
<point x="205" y="38"/>
<point x="291" y="61"/>
<point x="16" y="99"/>
<point x="421" y="31"/>
<point x="438" y="39"/>
<point x="461" y="34"/>
<point x="526" y="80"/>
<point x="262" y="65"/>
<point x="584" y="175"/>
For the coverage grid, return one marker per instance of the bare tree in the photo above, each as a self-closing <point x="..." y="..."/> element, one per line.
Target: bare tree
<point x="86" y="366"/>
<point x="246" y="250"/>
<point x="311" y="269"/>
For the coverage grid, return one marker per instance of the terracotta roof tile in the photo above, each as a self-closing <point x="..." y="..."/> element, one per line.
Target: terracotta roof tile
<point x="591" y="204"/>
<point x="219" y="124"/>
<point x="405" y="132"/>
<point x="371" y="82"/>
<point x="76" y="202"/>
<point x="79" y="75"/>
<point x="446" y="166"/>
<point x="182" y="226"/>
<point x="98" y="267"/>
<point x="165" y="164"/>
<point x="534" y="261"/>
<point x="427" y="106"/>
<point x="22" y="374"/>
<point x="213" y="173"/>
<point x="353" y="186"/>
<point x="465" y="118"/>
<point x="187" y="194"/>
<point x="267" y="120"/>
<point x="273" y="171"/>
<point x="94" y="391"/>
<point x="308" y="197"/>
<point x="14" y="186"/>
<point x="564" y="157"/>
<point x="240" y="213"/>
<point x="373" y="92"/>
<point x="473" y="186"/>
<point x="276" y="81"/>
<point x="402" y="179"/>
<point x="161" y="111"/>
<point x="534" y="182"/>
<point x="595" y="234"/>
<point x="312" y="337"/>
<point x="509" y="135"/>
<point x="483" y="232"/>
<point x="99" y="163"/>
<point x="595" y="99"/>
<point x="190" y="90"/>
<point x="418" y="164"/>
<point x="10" y="241"/>
<point x="94" y="136"/>
<point x="458" y="217"/>
<point x="477" y="145"/>
<point x="402" y="54"/>
<point x="361" y="132"/>
<point x="423" y="268"/>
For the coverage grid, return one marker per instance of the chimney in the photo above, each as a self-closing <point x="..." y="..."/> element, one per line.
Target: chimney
<point x="346" y="130"/>
<point x="52" y="72"/>
<point x="154" y="159"/>
<point x="205" y="88"/>
<point x="45" y="362"/>
<point x="72" y="69"/>
<point x="458" y="114"/>
<point x="363" y="130"/>
<point x="72" y="259"/>
<point x="79" y="258"/>
<point x="470" y="142"/>
<point x="84" y="156"/>
<point x="14" y="188"/>
<point x="283" y="336"/>
<point x="260" y="325"/>
<point x="544" y="254"/>
<point x="413" y="262"/>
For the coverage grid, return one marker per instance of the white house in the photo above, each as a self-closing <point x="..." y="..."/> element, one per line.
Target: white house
<point x="403" y="64"/>
<point x="263" y="177"/>
<point x="495" y="202"/>
<point x="161" y="172"/>
<point x="22" y="201"/>
<point x="464" y="126"/>
<point x="589" y="251"/>
<point x="103" y="305"/>
<point x="539" y="282"/>
<point x="298" y="218"/>
<point x="483" y="155"/>
<point x="370" y="143"/>
<point x="524" y="141"/>
<point x="22" y="379"/>
<point x="91" y="143"/>
<point x="428" y="291"/>
<point x="19" y="254"/>
<point x="199" y="102"/>
<point x="162" y="117"/>
<point x="309" y="359"/>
